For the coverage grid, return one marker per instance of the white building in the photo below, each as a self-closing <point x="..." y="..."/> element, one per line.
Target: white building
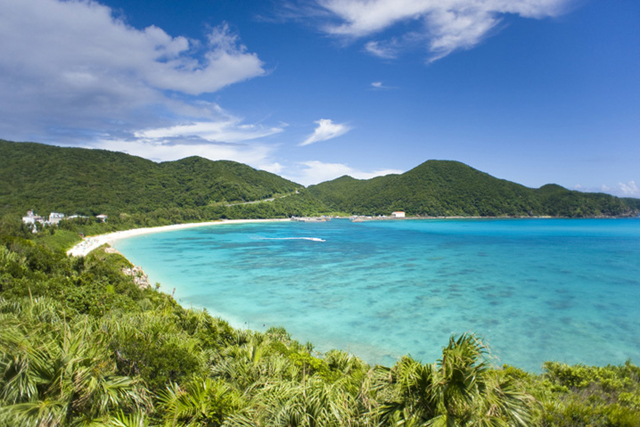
<point x="55" y="218"/>
<point x="398" y="214"/>
<point x="102" y="218"/>
<point x="76" y="216"/>
<point x="32" y="218"/>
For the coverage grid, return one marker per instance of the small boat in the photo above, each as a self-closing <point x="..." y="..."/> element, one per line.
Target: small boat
<point x="311" y="219"/>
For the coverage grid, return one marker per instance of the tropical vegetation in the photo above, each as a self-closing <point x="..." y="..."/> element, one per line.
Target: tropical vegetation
<point x="92" y="182"/>
<point x="136" y="192"/>
<point x="82" y="345"/>
<point x="448" y="188"/>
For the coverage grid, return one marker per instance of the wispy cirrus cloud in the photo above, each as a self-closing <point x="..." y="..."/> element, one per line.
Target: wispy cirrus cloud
<point x="384" y="51"/>
<point x="326" y="130"/>
<point x="75" y="74"/>
<point x="444" y="26"/>
<point x="230" y="130"/>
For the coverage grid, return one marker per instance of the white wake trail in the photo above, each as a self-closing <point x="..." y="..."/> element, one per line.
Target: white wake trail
<point x="313" y="239"/>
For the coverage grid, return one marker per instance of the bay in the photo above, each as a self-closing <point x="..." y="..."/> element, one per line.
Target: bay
<point x="533" y="289"/>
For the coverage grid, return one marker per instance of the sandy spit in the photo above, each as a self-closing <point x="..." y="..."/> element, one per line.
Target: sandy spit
<point x="92" y="242"/>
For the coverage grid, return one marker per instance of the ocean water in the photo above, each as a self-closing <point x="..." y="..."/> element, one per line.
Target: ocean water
<point x="533" y="289"/>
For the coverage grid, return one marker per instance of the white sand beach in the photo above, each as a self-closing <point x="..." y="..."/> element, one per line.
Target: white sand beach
<point x="92" y="242"/>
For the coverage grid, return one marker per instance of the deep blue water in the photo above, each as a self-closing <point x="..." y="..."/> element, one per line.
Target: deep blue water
<point x="534" y="289"/>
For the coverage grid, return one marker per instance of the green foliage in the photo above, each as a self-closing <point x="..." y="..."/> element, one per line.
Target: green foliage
<point x="557" y="201"/>
<point x="458" y="390"/>
<point x="632" y="203"/>
<point x="91" y="182"/>
<point x="88" y="286"/>
<point x="447" y="188"/>
<point x="591" y="396"/>
<point x="135" y="192"/>
<point x="10" y="225"/>
<point x="312" y="402"/>
<point x="82" y="345"/>
<point x="202" y="402"/>
<point x="55" y="372"/>
<point x="154" y="348"/>
<point x="58" y="238"/>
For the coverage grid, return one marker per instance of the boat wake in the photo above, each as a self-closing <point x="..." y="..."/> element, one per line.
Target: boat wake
<point x="313" y="239"/>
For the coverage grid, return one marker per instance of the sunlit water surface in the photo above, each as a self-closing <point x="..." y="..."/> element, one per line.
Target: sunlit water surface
<point x="535" y="289"/>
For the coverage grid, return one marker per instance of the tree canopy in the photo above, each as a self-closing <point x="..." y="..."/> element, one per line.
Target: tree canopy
<point x="135" y="191"/>
<point x="448" y="188"/>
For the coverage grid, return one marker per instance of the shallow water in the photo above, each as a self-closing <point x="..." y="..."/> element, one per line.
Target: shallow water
<point x="534" y="289"/>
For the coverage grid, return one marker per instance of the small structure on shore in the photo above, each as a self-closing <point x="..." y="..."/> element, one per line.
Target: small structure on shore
<point x="55" y="218"/>
<point x="32" y="218"/>
<point x="77" y="216"/>
<point x="311" y="219"/>
<point x="397" y="214"/>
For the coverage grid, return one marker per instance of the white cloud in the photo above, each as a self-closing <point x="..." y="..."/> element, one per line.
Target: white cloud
<point x="74" y="74"/>
<point x="314" y="172"/>
<point x="256" y="155"/>
<point x="381" y="51"/>
<point x="79" y="43"/>
<point x="381" y="86"/>
<point x="230" y="131"/>
<point x="629" y="189"/>
<point x="326" y="130"/>
<point x="223" y="138"/>
<point x="275" y="167"/>
<point x="446" y="25"/>
<point x="224" y="63"/>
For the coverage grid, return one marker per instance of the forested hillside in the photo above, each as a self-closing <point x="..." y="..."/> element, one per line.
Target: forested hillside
<point x="448" y="188"/>
<point x="135" y="191"/>
<point x="77" y="180"/>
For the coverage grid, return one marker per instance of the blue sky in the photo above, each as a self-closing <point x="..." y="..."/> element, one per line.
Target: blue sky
<point x="533" y="91"/>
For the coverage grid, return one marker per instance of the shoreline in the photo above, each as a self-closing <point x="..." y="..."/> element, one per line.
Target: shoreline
<point x="90" y="243"/>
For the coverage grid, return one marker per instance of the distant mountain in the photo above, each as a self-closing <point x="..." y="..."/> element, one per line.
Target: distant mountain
<point x="76" y="180"/>
<point x="448" y="188"/>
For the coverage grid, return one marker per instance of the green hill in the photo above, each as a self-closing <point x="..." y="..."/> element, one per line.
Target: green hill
<point x="77" y="180"/>
<point x="448" y="188"/>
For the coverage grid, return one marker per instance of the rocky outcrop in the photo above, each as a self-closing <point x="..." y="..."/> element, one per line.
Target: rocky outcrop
<point x="139" y="276"/>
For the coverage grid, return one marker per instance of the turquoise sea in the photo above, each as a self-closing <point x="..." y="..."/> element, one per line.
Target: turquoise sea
<point x="534" y="289"/>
